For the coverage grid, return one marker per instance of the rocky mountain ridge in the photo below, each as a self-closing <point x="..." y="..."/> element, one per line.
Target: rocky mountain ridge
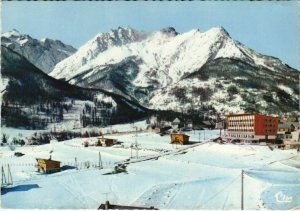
<point x="168" y="70"/>
<point x="44" y="53"/>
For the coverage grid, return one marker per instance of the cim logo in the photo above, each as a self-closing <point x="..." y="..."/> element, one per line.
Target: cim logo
<point x="282" y="198"/>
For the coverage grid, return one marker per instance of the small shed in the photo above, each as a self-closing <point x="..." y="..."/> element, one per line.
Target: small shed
<point x="105" y="141"/>
<point x="47" y="165"/>
<point x="179" y="138"/>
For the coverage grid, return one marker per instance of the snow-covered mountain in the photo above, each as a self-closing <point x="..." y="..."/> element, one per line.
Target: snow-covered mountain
<point x="26" y="85"/>
<point x="44" y="54"/>
<point x="93" y="49"/>
<point x="168" y="70"/>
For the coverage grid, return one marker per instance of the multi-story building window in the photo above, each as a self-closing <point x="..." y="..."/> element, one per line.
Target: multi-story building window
<point x="254" y="127"/>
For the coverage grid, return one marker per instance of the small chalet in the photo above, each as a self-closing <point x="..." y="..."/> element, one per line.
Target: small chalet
<point x="108" y="206"/>
<point x="47" y="165"/>
<point x="288" y="127"/>
<point x="105" y="141"/>
<point x="179" y="138"/>
<point x="176" y="124"/>
<point x="293" y="141"/>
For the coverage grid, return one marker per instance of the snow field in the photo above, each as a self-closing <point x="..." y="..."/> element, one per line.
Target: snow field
<point x="207" y="176"/>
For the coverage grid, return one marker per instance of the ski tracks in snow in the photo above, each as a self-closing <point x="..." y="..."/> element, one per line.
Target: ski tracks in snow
<point x="71" y="185"/>
<point x="160" y="196"/>
<point x="169" y="196"/>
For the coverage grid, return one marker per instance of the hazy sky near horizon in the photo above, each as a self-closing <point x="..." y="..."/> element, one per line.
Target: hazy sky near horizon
<point x="270" y="28"/>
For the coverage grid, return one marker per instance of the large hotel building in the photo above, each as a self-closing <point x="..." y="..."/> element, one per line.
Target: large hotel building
<point x="251" y="127"/>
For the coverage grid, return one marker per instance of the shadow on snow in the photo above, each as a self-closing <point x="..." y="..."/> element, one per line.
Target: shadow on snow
<point x="19" y="188"/>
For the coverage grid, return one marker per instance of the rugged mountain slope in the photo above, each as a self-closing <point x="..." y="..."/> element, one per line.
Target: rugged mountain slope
<point x="44" y="54"/>
<point x="102" y="42"/>
<point x="147" y="66"/>
<point x="27" y="86"/>
<point x="232" y="85"/>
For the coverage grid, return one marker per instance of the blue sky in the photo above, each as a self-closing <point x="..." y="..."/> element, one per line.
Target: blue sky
<point x="271" y="28"/>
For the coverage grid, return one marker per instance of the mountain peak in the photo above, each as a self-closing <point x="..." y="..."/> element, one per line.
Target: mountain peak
<point x="219" y="30"/>
<point x="121" y="30"/>
<point x="44" y="53"/>
<point x="162" y="71"/>
<point x="116" y="37"/>
<point x="127" y="28"/>
<point x="12" y="33"/>
<point x="169" y="31"/>
<point x="15" y="31"/>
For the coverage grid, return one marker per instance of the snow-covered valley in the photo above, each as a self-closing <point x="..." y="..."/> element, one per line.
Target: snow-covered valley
<point x="202" y="175"/>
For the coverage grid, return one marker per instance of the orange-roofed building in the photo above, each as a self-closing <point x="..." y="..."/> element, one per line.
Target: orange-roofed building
<point x="251" y="127"/>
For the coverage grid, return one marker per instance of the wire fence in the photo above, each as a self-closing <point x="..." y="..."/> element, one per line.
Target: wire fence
<point x="66" y="165"/>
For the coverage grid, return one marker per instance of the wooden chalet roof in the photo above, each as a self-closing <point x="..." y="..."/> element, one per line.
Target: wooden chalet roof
<point x="182" y="134"/>
<point x="48" y="160"/>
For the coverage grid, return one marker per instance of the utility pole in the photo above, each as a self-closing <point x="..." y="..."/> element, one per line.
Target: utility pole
<point x="136" y="144"/>
<point x="106" y="196"/>
<point x="131" y="146"/>
<point x="242" y="191"/>
<point x="76" y="163"/>
<point x="100" y="161"/>
<point x="4" y="181"/>
<point x="9" y="175"/>
<point x="3" y="178"/>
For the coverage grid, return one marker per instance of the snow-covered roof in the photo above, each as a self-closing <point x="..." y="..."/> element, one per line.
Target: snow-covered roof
<point x="48" y="160"/>
<point x="288" y="124"/>
<point x="176" y="120"/>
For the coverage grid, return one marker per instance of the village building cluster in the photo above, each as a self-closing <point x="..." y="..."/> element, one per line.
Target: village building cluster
<point x="235" y="128"/>
<point x="245" y="128"/>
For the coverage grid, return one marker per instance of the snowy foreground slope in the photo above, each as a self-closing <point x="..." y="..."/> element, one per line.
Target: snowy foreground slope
<point x="197" y="176"/>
